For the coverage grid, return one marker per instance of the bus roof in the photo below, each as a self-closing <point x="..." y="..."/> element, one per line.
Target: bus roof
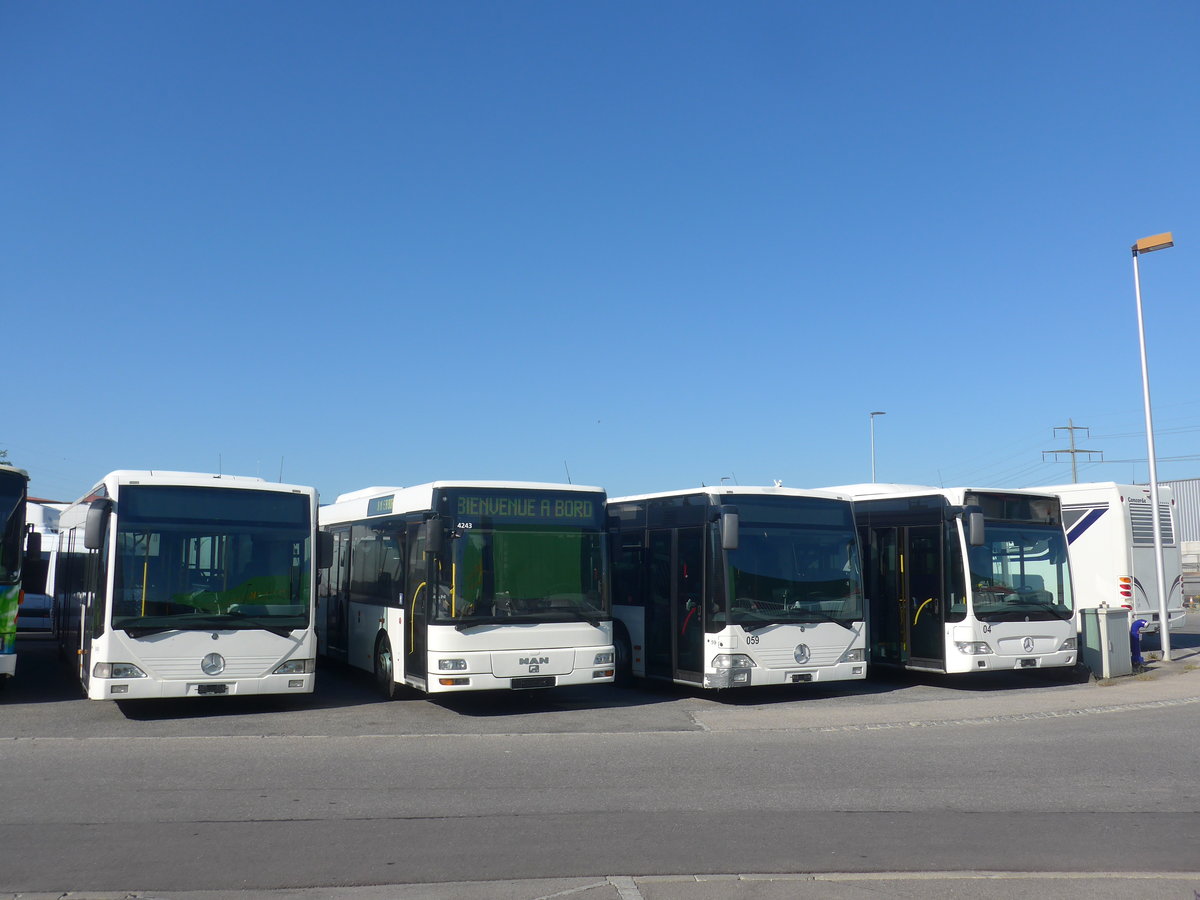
<point x="114" y="479"/>
<point x="953" y="495"/>
<point x="716" y="493"/>
<point x="1086" y="487"/>
<point x="358" y="504"/>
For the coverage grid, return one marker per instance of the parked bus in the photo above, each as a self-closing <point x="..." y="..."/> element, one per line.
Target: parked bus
<point x="469" y="586"/>
<point x="1110" y="531"/>
<point x="14" y="557"/>
<point x="965" y="580"/>
<point x="181" y="584"/>
<point x="734" y="587"/>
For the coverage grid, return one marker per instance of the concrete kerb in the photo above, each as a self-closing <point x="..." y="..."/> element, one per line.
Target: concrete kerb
<point x="1174" y="683"/>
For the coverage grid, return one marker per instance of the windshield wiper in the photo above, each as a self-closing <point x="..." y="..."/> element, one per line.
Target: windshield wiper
<point x="1020" y="609"/>
<point x="821" y="615"/>
<point x="135" y="631"/>
<point x="524" y="618"/>
<point x="592" y="619"/>
<point x="751" y="627"/>
<point x="205" y="622"/>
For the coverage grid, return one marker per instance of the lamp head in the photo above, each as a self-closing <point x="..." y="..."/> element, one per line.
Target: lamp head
<point x="1154" y="242"/>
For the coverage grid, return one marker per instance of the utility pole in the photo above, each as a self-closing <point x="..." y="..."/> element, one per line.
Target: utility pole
<point x="1070" y="428"/>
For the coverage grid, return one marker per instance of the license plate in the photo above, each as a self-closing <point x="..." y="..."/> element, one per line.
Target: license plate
<point x="801" y="676"/>
<point x="212" y="689"/>
<point x="537" y="681"/>
<point x="1029" y="664"/>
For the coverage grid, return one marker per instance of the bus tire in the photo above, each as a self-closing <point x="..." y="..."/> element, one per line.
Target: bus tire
<point x="623" y="676"/>
<point x="385" y="677"/>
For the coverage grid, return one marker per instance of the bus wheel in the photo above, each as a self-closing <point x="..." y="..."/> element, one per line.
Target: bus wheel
<point x="385" y="669"/>
<point x="624" y="663"/>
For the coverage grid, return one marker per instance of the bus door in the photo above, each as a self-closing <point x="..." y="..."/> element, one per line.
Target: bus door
<point x="659" y="643"/>
<point x="417" y="592"/>
<point x="675" y="607"/>
<point x="888" y="607"/>
<point x="925" y="613"/>
<point x="337" y="593"/>
<point x="689" y="603"/>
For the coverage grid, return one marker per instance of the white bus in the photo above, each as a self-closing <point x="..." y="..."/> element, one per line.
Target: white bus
<point x="965" y="580"/>
<point x="469" y="586"/>
<point x="181" y="584"/>
<point x="1110" y="532"/>
<point x="733" y="587"/>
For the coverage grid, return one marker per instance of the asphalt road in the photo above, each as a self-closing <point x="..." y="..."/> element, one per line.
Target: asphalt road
<point x="1013" y="773"/>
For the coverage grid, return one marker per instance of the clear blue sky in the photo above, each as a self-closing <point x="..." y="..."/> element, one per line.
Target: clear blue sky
<point x="652" y="243"/>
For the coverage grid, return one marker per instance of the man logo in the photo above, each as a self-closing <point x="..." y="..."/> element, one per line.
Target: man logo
<point x="1027" y="644"/>
<point x="534" y="661"/>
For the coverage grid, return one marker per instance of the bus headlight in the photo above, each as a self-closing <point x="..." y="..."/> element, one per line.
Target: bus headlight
<point x="733" y="661"/>
<point x="117" y="670"/>
<point x="452" y="665"/>
<point x="297" y="667"/>
<point x="973" y="648"/>
<point x="604" y="659"/>
<point x="858" y="654"/>
<point x="1069" y="644"/>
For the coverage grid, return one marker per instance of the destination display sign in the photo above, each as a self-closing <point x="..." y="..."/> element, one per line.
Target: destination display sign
<point x="380" y="506"/>
<point x="524" y="507"/>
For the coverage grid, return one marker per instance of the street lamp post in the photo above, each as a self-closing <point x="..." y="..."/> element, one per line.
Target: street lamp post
<point x="1149" y="245"/>
<point x="873" y="415"/>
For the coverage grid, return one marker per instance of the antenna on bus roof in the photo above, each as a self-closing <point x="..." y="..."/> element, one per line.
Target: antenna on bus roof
<point x="565" y="466"/>
<point x="281" y="470"/>
<point x="219" y="464"/>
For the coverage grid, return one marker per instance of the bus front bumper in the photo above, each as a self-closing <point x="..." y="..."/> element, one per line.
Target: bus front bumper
<point x="149" y="688"/>
<point x="991" y="662"/>
<point x="758" y="676"/>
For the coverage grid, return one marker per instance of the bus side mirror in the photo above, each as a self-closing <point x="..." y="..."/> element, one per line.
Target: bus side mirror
<point x="33" y="547"/>
<point x="35" y="575"/>
<point x="97" y="521"/>
<point x="975" y="530"/>
<point x="324" y="549"/>
<point x="729" y="528"/>
<point x="435" y="535"/>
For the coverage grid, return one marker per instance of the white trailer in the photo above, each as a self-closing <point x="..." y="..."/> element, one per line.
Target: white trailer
<point x="1110" y="534"/>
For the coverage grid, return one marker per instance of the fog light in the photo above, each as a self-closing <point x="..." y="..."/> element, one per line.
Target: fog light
<point x="295" y="682"/>
<point x="118" y="689"/>
<point x="741" y="676"/>
<point x="452" y="665"/>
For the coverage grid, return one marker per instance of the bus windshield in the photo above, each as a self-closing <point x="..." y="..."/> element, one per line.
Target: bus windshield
<point x="12" y="521"/>
<point x="1021" y="573"/>
<point x="533" y="573"/>
<point x="210" y="559"/>
<point x="780" y="574"/>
